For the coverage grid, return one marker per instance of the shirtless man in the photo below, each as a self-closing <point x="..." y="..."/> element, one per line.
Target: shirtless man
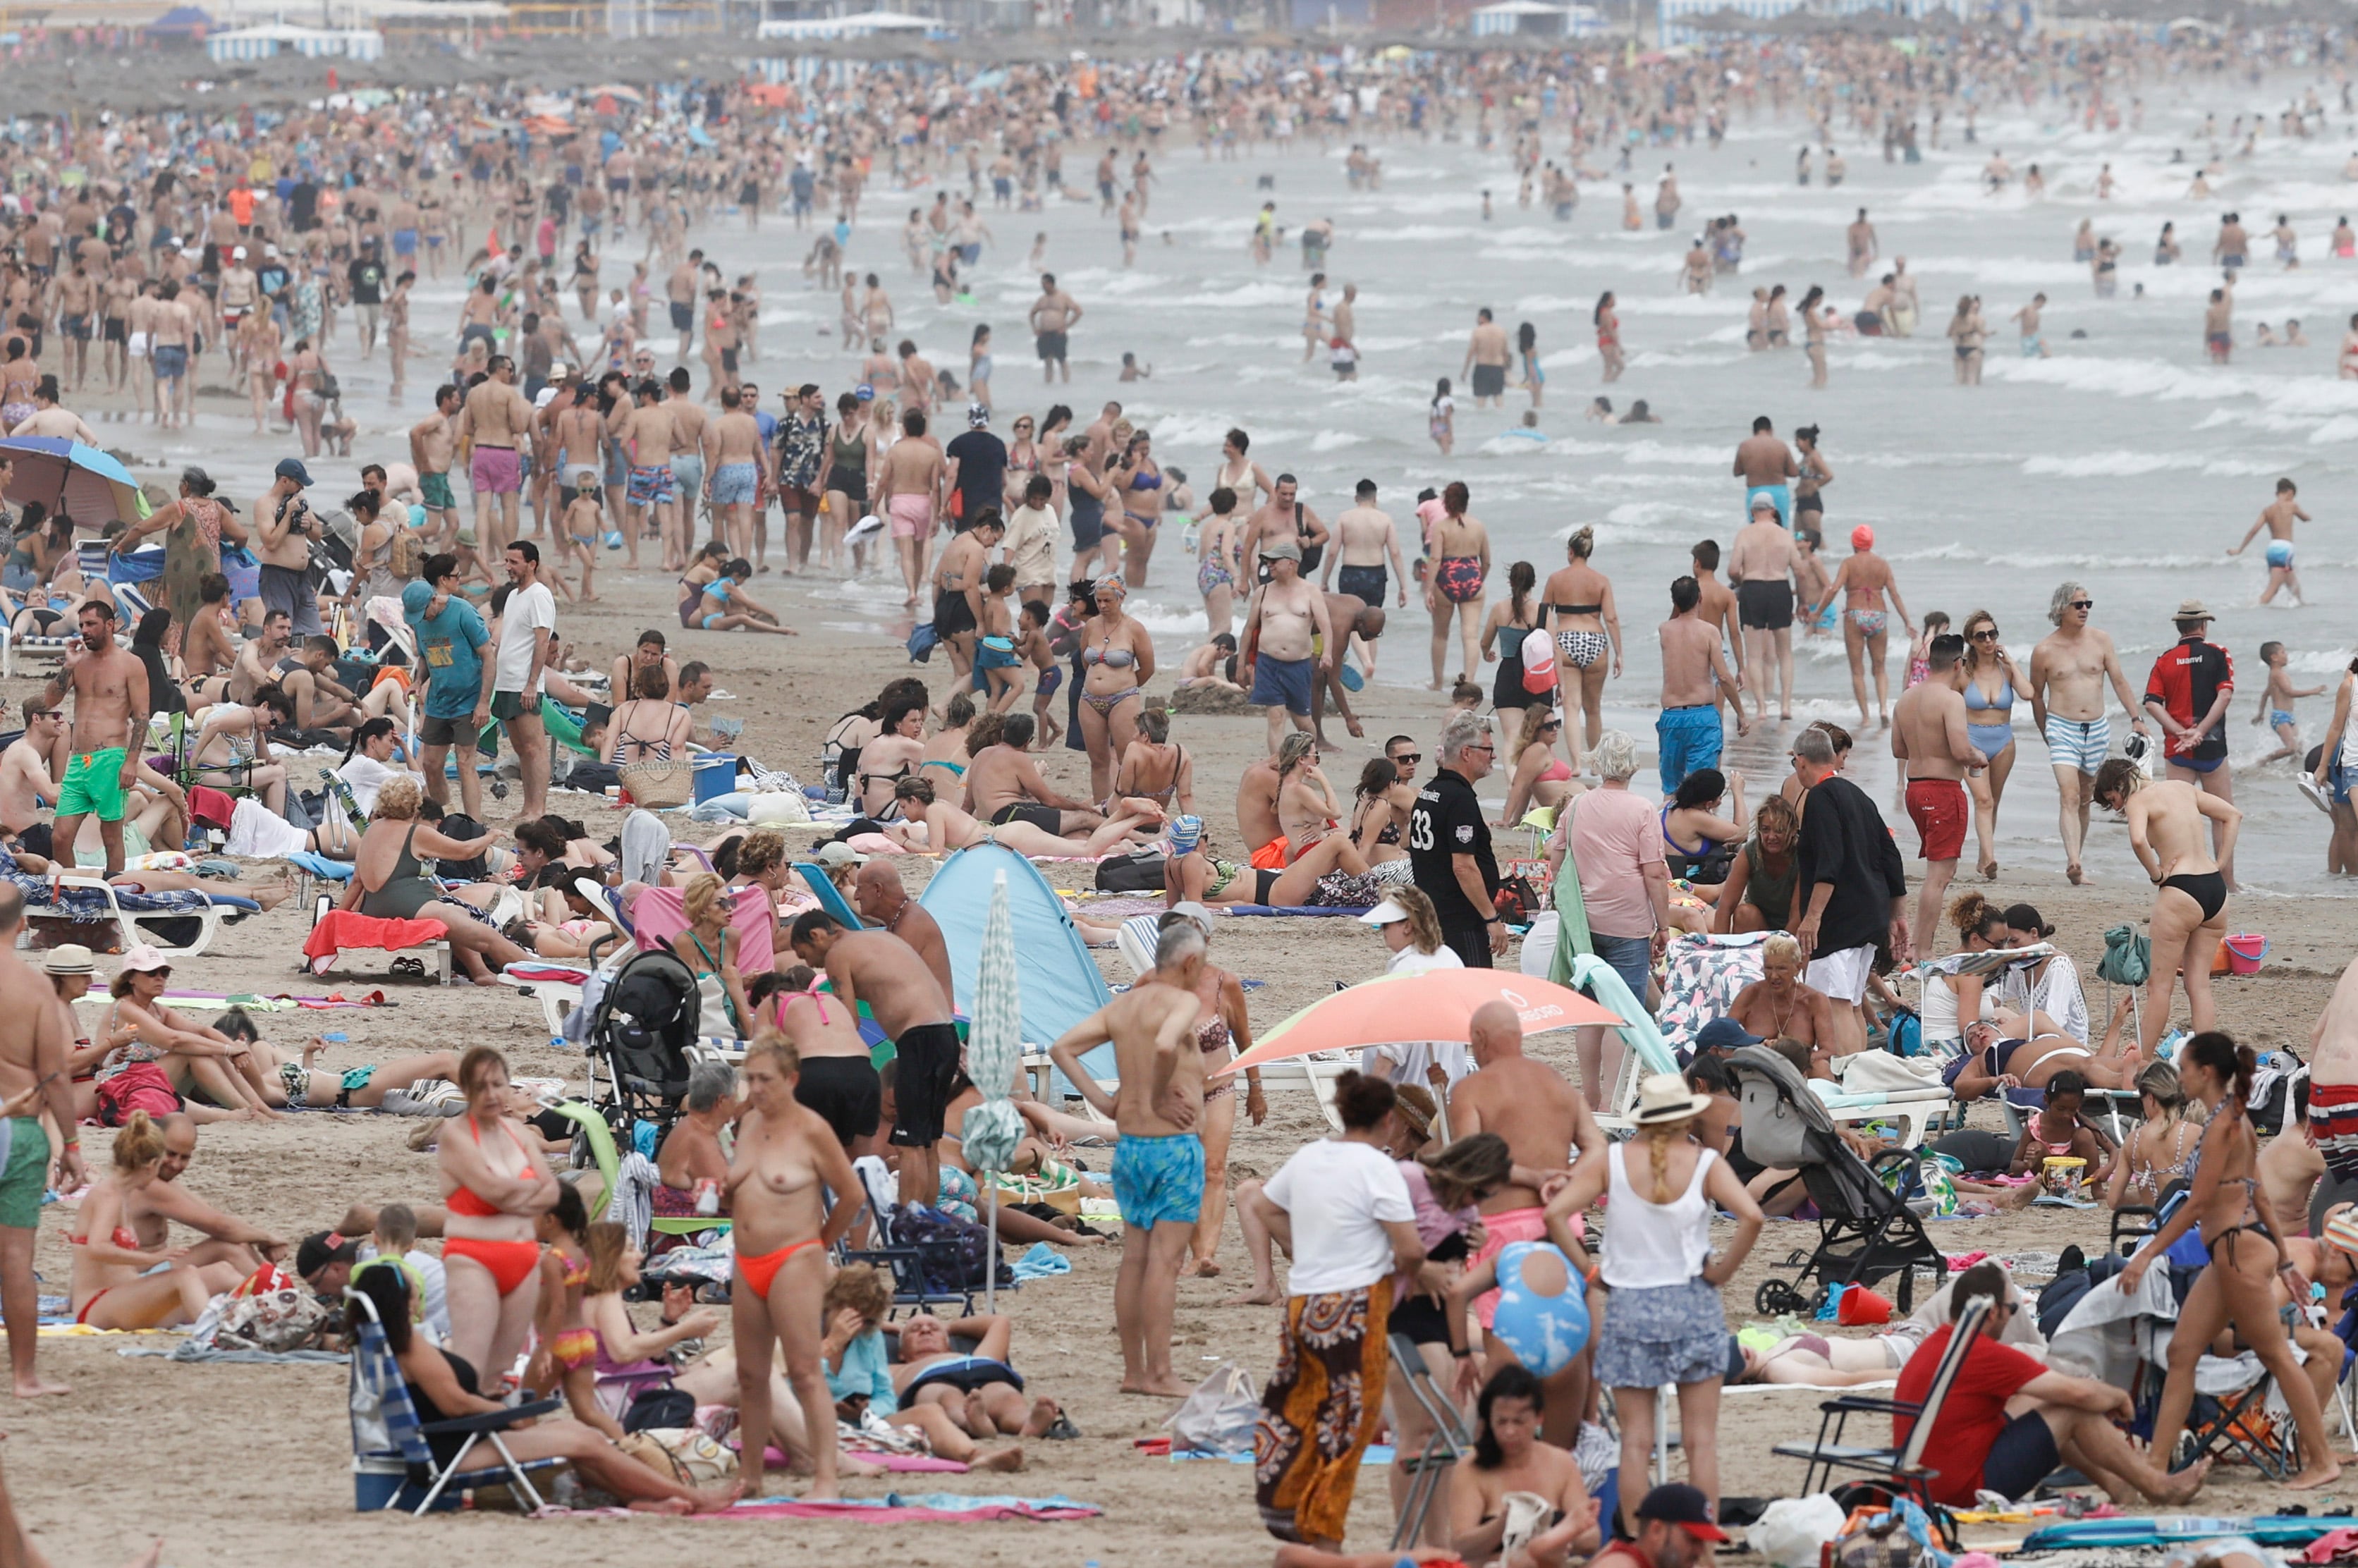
<point x="740" y="478"/>
<point x="2219" y="326"/>
<point x="32" y="1080"/>
<point x="492" y="423"/>
<point x="911" y="488"/>
<point x="1864" y="248"/>
<point x="396" y="327"/>
<point x="1367" y="538"/>
<point x="1158" y="1162"/>
<point x="48" y="419"/>
<point x="1282" y="516"/>
<point x="1765" y="466"/>
<point x="1548" y="1125"/>
<point x="152" y="1210"/>
<point x="1694" y="671"/>
<point x="646" y="434"/>
<point x="77" y="302"/>
<point x="1718" y="610"/>
<point x="1488" y="355"/>
<point x="2034" y="346"/>
<point x="680" y="290"/>
<point x="910" y="1005"/>
<point x="258" y="345"/>
<point x="1928" y="736"/>
<point x="1004" y="784"/>
<point x="2069" y="670"/>
<point x="1256" y="820"/>
<point x="1762" y="564"/>
<point x="691" y="465"/>
<point x="1906" y="305"/>
<point x="2277" y="517"/>
<point x="1363" y="625"/>
<point x="111" y="708"/>
<point x="121" y="287"/>
<point x="1289" y="618"/>
<point x="878" y="895"/>
<point x="174" y="328"/>
<point x="25" y="780"/>
<point x="1052" y="317"/>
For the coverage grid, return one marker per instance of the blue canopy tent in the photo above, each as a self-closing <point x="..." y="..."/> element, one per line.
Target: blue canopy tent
<point x="1057" y="980"/>
<point x="181" y="21"/>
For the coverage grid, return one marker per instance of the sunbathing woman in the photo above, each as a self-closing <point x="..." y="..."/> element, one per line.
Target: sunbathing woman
<point x="232" y="750"/>
<point x="113" y="1287"/>
<point x="1991" y="1061"/>
<point x="1331" y="871"/>
<point x="389" y="881"/>
<point x="1541" y="779"/>
<point x="949" y="826"/>
<point x="709" y="945"/>
<point x="983" y="1393"/>
<point x="496" y="1186"/>
<point x="230" y="1073"/>
<point x="784" y="1154"/>
<point x="1780" y="1004"/>
<point x="443" y="1386"/>
<point x="860" y="1375"/>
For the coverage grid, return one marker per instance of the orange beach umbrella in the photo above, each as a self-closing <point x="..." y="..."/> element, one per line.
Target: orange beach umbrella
<point x="1435" y="1005"/>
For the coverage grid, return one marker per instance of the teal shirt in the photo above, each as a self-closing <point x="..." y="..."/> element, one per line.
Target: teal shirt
<point x="865" y="1372"/>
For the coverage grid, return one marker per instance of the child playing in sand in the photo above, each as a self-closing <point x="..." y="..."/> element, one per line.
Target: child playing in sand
<point x="2275" y="703"/>
<point x="2057" y="1132"/>
<point x="1209" y="663"/>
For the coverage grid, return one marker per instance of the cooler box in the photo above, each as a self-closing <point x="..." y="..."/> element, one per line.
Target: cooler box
<point x="716" y="774"/>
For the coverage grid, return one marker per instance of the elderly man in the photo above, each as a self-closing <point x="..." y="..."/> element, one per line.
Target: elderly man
<point x="1852" y="883"/>
<point x="878" y="895"/>
<point x="1449" y="844"/>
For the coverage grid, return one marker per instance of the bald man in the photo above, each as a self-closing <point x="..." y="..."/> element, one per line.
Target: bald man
<point x="1547" y="1125"/>
<point x="878" y="895"/>
<point x="152" y="1210"/>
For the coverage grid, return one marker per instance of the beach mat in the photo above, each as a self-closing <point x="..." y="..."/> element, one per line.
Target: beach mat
<point x="932" y="1507"/>
<point x="2268" y="1530"/>
<point x="1296" y="909"/>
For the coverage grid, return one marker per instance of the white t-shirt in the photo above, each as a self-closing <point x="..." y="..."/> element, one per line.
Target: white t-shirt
<point x="1340" y="1195"/>
<point x="1405" y="1062"/>
<point x="367" y="775"/>
<point x="529" y="609"/>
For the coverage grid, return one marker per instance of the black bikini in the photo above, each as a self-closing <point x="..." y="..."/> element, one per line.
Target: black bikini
<point x="2207" y="888"/>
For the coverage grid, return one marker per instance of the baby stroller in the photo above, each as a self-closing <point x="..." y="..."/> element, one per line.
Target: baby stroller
<point x="641" y="1043"/>
<point x="1866" y="1230"/>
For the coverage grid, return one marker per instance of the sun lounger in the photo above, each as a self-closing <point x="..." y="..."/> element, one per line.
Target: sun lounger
<point x="338" y="932"/>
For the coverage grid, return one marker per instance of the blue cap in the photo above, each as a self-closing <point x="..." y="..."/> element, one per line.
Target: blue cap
<point x="865" y="392"/>
<point x="292" y="468"/>
<point x="1723" y="1034"/>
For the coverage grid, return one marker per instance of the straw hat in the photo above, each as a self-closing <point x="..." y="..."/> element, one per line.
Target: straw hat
<point x="73" y="958"/>
<point x="1664" y="1096"/>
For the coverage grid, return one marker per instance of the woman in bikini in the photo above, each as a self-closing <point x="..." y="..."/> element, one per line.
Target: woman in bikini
<point x="1698" y="843"/>
<point x="1137" y="483"/>
<point x="946" y="754"/>
<point x="894" y="755"/>
<point x="1117" y="661"/>
<point x="1823" y="1361"/>
<point x="1460" y="546"/>
<point x="1307" y="810"/>
<point x="1130" y="825"/>
<point x="837" y="1080"/>
<point x="2167" y="836"/>
<point x="785" y="1152"/>
<point x="1577" y="606"/>
<point x="650" y="727"/>
<point x="1510" y="1464"/>
<point x="1156" y="767"/>
<point x="1541" y="778"/>
<point x="495" y="1185"/>
<point x="1386" y="793"/>
<point x="1510" y="621"/>
<point x="1863" y="579"/>
<point x="2229" y="1211"/>
<point x="1607" y="323"/>
<point x="1990" y="690"/>
<point x="113" y="1287"/>
<point x="1814" y="333"/>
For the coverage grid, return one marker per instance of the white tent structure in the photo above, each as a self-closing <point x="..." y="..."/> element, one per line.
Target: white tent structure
<point x="860" y="26"/>
<point x="1534" y="19"/>
<point x="269" y="39"/>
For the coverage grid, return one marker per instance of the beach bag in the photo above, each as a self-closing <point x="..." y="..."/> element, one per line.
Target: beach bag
<point x="953" y="1254"/>
<point x="680" y="1453"/>
<point x="466" y="829"/>
<point x="1907" y="1033"/>
<point x="1793" y="1530"/>
<point x="1218" y="1416"/>
<point x="657" y="1408"/>
<point x="922" y="643"/>
<point x="2128" y="957"/>
<point x="1900" y="1536"/>
<point x="1518" y="903"/>
<point x="1131" y="873"/>
<point x="273" y="1312"/>
<point x="1539" y="662"/>
<point x="657" y="784"/>
<point x="142" y="1086"/>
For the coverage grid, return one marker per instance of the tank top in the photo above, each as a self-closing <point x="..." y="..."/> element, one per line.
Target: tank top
<point x="1649" y="1245"/>
<point x="852" y="456"/>
<point x="2349" y="740"/>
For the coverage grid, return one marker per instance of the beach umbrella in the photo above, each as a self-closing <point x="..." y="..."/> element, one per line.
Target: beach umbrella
<point x="1396" y="1010"/>
<point x="67" y="476"/>
<point x="994" y="1050"/>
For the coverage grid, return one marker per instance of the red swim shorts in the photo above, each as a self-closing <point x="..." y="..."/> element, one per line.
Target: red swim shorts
<point x="1940" y="810"/>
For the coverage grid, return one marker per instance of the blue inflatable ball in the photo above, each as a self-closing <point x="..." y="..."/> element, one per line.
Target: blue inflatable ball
<point x="1543" y="1312"/>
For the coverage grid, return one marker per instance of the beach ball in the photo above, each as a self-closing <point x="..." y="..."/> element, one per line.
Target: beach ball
<point x="1542" y="1306"/>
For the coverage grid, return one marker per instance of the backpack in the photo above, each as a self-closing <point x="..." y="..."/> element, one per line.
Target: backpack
<point x="953" y="1254"/>
<point x="1130" y="873"/>
<point x="460" y="826"/>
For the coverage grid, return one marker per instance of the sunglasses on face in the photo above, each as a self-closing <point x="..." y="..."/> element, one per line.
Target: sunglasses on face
<point x="2084" y="604"/>
<point x="1408" y="759"/>
<point x="1989" y="636"/>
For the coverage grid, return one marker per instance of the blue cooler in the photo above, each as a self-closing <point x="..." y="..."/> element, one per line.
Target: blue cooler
<point x="716" y="774"/>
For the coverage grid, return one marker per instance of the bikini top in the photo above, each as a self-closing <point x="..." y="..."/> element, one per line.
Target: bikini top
<point x="1578" y="609"/>
<point x="1111" y="657"/>
<point x="1212" y="1035"/>
<point x="469" y="1202"/>
<point x="1146" y="482"/>
<point x="126" y="1241"/>
<point x="1988" y="705"/>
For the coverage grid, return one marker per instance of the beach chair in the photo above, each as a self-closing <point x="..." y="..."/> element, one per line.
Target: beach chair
<point x="1135" y="939"/>
<point x="1901" y="1467"/>
<point x="155" y="927"/>
<point x="388" y="1439"/>
<point x="1448" y="1442"/>
<point x="904" y="1263"/>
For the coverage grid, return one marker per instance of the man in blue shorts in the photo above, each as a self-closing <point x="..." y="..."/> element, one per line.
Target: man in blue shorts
<point x="1694" y="671"/>
<point x="1158" y="1164"/>
<point x="1286" y="626"/>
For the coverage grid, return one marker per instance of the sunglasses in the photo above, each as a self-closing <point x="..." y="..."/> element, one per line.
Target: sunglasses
<point x="1552" y="724"/>
<point x="1408" y="759"/>
<point x="2084" y="604"/>
<point x="1989" y="636"/>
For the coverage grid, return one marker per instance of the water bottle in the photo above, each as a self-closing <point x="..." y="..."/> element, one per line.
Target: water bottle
<point x="707" y="1197"/>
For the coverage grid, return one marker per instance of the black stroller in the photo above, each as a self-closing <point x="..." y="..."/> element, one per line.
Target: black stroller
<point x="1866" y="1231"/>
<point x="641" y="1041"/>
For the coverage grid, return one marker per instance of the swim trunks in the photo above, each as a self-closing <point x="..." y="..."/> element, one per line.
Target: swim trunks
<point x="1281" y="682"/>
<point x="736" y="484"/>
<point x="928" y="1055"/>
<point x="2082" y="743"/>
<point x="93" y="784"/>
<point x="687" y="475"/>
<point x="1940" y="810"/>
<point x="171" y="361"/>
<point x="435" y="488"/>
<point x="1046" y="818"/>
<point x="1051" y="345"/>
<point x="2033" y="346"/>
<point x="1157" y="1180"/>
<point x="912" y="516"/>
<point x="682" y="317"/>
<point x="2280" y="553"/>
<point x="1782" y="495"/>
<point x="1366" y="584"/>
<point x="24" y="1171"/>
<point x="1490" y="381"/>
<point x="1686" y="739"/>
<point x="845" y="1092"/>
<point x="649" y="486"/>
<point x="495" y="470"/>
<point x="2332" y="1122"/>
<point x="1764" y="606"/>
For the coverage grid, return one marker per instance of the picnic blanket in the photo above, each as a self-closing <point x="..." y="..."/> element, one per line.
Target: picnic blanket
<point x="190" y="1350"/>
<point x="342" y="928"/>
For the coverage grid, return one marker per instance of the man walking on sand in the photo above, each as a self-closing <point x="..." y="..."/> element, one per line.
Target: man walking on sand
<point x="1287" y="621"/>
<point x="2069" y="670"/>
<point x="1158" y="1159"/>
<point x="32" y="1080"/>
<point x="1694" y="672"/>
<point x="527" y="638"/>
<point x="1850" y="888"/>
<point x="1928" y="736"/>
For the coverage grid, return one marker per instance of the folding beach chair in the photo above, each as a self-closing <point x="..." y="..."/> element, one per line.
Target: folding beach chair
<point x="1902" y="1467"/>
<point x="902" y="1261"/>
<point x="1447" y="1444"/>
<point x="388" y="1436"/>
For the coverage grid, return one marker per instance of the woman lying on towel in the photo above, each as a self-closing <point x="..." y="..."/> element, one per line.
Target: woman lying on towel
<point x="112" y="1285"/>
<point x="1331" y="871"/>
<point x="1825" y="1361"/>
<point x="389" y="882"/>
<point x="406" y="1086"/>
<point x="1136" y="822"/>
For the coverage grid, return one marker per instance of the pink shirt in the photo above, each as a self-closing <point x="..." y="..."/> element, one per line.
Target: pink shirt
<point x="1614" y="833"/>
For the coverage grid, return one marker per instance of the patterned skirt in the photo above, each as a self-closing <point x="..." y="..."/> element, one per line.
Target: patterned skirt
<point x="1322" y="1406"/>
<point x="1668" y="1334"/>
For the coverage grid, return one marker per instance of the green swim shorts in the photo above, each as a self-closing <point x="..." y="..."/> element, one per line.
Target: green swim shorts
<point x="24" y="1167"/>
<point x="436" y="489"/>
<point x="93" y="784"/>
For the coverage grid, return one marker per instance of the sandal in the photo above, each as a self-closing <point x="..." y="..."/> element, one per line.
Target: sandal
<point x="1061" y="1430"/>
<point x="408" y="969"/>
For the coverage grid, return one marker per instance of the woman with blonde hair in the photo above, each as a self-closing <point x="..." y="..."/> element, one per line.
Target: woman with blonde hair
<point x="1541" y="778"/>
<point x="113" y="1284"/>
<point x="389" y="880"/>
<point x="1759" y="893"/>
<point x="1576" y="604"/>
<point x="1411" y="930"/>
<point x="1663" y="1322"/>
<point x="708" y="947"/>
<point x="1990" y="690"/>
<point x="2158" y="1150"/>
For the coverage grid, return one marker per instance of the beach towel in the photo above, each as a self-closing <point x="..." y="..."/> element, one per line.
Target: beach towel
<point x="1291" y="910"/>
<point x="257" y="833"/>
<point x="1704" y="974"/>
<point x="211" y="1355"/>
<point x="345" y="928"/>
<point x="657" y="917"/>
<point x="320" y="866"/>
<point x="895" y="1508"/>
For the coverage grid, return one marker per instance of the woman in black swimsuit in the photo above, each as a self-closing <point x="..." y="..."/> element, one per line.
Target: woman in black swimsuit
<point x="2189" y="895"/>
<point x="2229" y="1212"/>
<point x="389" y="881"/>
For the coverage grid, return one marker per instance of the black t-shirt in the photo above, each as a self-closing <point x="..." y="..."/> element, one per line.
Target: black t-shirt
<point x="1845" y="841"/>
<point x="303" y="205"/>
<point x="983" y="471"/>
<point x="367" y="279"/>
<point x="1446" y="822"/>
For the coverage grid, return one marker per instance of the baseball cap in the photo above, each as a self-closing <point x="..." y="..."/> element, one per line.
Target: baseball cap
<point x="865" y="392"/>
<point x="1384" y="914"/>
<point x="1680" y="1504"/>
<point x="145" y="959"/>
<point x="1281" y="551"/>
<point x="321" y="1247"/>
<point x="547" y="396"/>
<point x="1195" y="911"/>
<point x="292" y="468"/>
<point x="1764" y="503"/>
<point x="1723" y="1034"/>
<point x="240" y="251"/>
<point x="839" y="853"/>
<point x="73" y="958"/>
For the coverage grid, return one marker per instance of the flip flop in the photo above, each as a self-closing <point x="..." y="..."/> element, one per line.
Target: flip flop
<point x="1061" y="1430"/>
<point x="2315" y="793"/>
<point x="1352" y="679"/>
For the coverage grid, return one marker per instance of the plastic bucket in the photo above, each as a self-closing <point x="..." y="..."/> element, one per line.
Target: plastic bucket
<point x="716" y="774"/>
<point x="2245" y="951"/>
<point x="2065" y="1173"/>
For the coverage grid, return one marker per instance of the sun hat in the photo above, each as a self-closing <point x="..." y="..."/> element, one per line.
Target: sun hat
<point x="1384" y="914"/>
<point x="2193" y="609"/>
<point x="73" y="958"/>
<point x="1281" y="549"/>
<point x="1664" y="1096"/>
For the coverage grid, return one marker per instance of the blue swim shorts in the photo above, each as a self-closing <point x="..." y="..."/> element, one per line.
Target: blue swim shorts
<point x="1159" y="1179"/>
<point x="1688" y="741"/>
<point x="2079" y="744"/>
<point x="1782" y="495"/>
<point x="2280" y="553"/>
<point x="735" y="484"/>
<point x="1282" y="681"/>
